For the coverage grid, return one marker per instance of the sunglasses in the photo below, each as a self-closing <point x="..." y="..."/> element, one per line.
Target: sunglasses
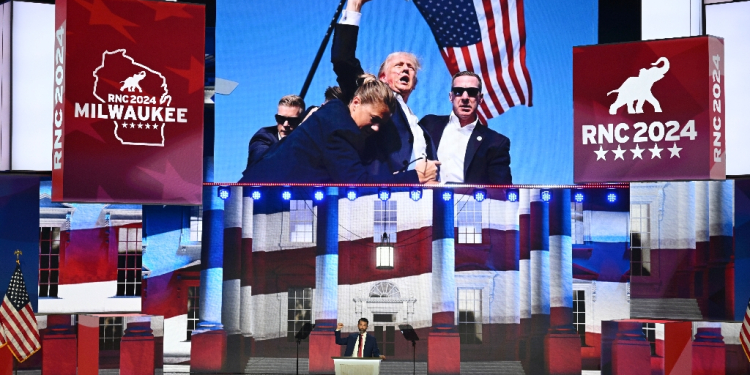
<point x="293" y="121"/>
<point x="459" y="91"/>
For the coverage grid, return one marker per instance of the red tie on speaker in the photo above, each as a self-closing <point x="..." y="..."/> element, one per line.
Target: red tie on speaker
<point x="361" y="343"/>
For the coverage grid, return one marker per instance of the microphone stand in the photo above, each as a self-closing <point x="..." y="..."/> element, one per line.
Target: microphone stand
<point x="411" y="335"/>
<point x="302" y="334"/>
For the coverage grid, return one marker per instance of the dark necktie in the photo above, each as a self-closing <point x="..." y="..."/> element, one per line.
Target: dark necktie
<point x="361" y="344"/>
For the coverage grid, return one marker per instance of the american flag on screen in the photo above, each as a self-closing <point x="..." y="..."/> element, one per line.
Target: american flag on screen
<point x="487" y="37"/>
<point x="17" y="319"/>
<point x="745" y="332"/>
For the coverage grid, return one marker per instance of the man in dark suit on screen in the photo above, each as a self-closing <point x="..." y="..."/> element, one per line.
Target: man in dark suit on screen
<point x="361" y="344"/>
<point x="400" y="141"/>
<point x="288" y="117"/>
<point x="472" y="153"/>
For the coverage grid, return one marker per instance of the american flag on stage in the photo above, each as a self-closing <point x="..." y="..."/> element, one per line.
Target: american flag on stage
<point x="3" y="342"/>
<point x="745" y="332"/>
<point x="487" y="37"/>
<point x="17" y="319"/>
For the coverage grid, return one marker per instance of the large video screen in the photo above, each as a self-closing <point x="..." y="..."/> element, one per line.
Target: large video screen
<point x="268" y="49"/>
<point x="729" y="21"/>
<point x="32" y="90"/>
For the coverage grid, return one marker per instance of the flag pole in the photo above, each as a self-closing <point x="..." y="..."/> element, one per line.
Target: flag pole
<point x="322" y="49"/>
<point x="15" y="361"/>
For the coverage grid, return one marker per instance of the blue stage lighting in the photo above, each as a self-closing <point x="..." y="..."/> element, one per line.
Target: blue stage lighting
<point x="286" y="195"/>
<point x="480" y="194"/>
<point x="578" y="197"/>
<point x="255" y="195"/>
<point x="612" y="197"/>
<point x="351" y="194"/>
<point x="447" y="195"/>
<point x="384" y="194"/>
<point x="415" y="194"/>
<point x="511" y="195"/>
<point x="224" y="193"/>
<point x="319" y="195"/>
<point x="546" y="195"/>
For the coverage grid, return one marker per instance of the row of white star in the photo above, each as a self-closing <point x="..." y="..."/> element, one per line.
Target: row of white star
<point x="140" y="126"/>
<point x="601" y="154"/>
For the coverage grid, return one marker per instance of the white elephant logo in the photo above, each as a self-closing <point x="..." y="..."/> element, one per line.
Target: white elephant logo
<point x="131" y="83"/>
<point x="638" y="89"/>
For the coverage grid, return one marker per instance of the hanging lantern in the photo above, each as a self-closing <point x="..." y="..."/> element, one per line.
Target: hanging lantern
<point x="384" y="254"/>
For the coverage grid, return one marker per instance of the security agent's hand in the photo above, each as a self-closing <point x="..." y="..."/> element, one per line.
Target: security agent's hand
<point x="382" y="357"/>
<point x="339" y="326"/>
<point x="427" y="170"/>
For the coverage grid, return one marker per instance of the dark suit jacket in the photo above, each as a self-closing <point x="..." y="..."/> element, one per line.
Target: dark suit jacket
<point x="327" y="148"/>
<point x="393" y="142"/>
<point x="369" y="350"/>
<point x="487" y="161"/>
<point x="261" y="141"/>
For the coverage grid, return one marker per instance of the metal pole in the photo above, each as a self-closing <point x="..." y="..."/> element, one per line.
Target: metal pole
<point x="414" y="353"/>
<point x="322" y="49"/>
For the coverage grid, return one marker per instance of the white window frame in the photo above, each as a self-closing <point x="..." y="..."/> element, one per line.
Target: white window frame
<point x="576" y="223"/>
<point x="385" y="220"/>
<point x="136" y="251"/>
<point x="49" y="280"/>
<point x="195" y="226"/>
<point x="464" y="298"/>
<point x="640" y="224"/>
<point x="469" y="222"/>
<point x="293" y="311"/>
<point x="301" y="218"/>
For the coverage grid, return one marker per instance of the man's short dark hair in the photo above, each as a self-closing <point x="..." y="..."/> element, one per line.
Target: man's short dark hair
<point x="467" y="73"/>
<point x="293" y="101"/>
<point x="333" y="92"/>
<point x="363" y="320"/>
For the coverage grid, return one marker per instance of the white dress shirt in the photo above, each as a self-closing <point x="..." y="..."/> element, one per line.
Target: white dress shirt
<point x="356" y="345"/>
<point x="419" y="147"/>
<point x="350" y="18"/>
<point x="452" y="149"/>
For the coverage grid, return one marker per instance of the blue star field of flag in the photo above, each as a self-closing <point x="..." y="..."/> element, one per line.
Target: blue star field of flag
<point x="453" y="22"/>
<point x="17" y="293"/>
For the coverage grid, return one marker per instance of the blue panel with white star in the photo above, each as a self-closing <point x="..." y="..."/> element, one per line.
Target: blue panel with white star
<point x="17" y="290"/>
<point x="453" y="22"/>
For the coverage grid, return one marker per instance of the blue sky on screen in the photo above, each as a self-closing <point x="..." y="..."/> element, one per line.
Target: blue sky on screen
<point x="269" y="48"/>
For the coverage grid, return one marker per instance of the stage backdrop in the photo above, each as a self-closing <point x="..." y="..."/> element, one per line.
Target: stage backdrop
<point x="19" y="215"/>
<point x="129" y="127"/>
<point x="268" y="49"/>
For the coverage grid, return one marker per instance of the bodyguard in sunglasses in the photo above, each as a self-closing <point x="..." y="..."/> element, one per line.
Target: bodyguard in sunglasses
<point x="288" y="117"/>
<point x="472" y="153"/>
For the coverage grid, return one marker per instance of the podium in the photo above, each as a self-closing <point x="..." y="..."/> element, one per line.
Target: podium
<point x="356" y="366"/>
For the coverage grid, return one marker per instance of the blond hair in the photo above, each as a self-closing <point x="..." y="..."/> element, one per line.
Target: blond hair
<point x="293" y="101"/>
<point x="371" y="90"/>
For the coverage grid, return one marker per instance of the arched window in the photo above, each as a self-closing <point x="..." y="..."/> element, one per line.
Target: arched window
<point x="385" y="289"/>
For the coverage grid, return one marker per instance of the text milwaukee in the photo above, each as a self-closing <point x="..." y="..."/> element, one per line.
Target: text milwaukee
<point x="130" y="112"/>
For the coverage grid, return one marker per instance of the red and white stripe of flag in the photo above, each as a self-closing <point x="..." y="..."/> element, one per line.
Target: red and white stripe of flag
<point x="745" y="332"/>
<point x="499" y="58"/>
<point x="3" y="341"/>
<point x="21" y="331"/>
